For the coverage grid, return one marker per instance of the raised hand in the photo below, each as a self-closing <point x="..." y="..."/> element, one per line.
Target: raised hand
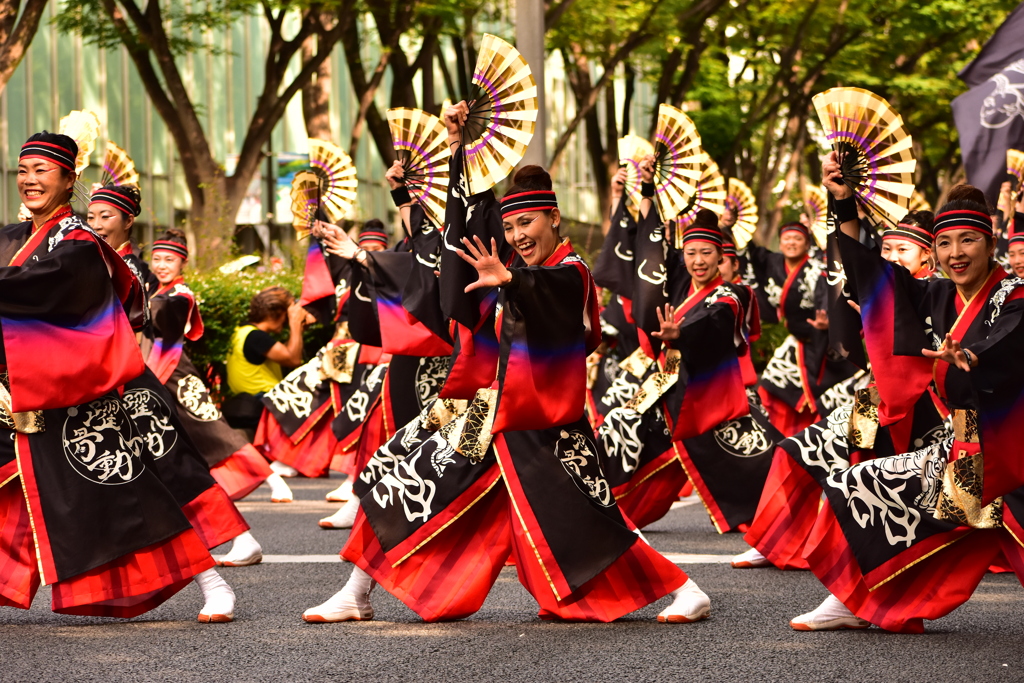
<point x="454" y="120"/>
<point x="336" y="241"/>
<point x="950" y="353"/>
<point x="395" y="175"/>
<point x="618" y="183"/>
<point x="647" y="169"/>
<point x="491" y="272"/>
<point x="669" y="325"/>
<point x="832" y="177"/>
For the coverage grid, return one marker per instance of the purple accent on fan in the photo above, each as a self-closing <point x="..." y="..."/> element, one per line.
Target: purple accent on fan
<point x="869" y="156"/>
<point x="493" y="93"/>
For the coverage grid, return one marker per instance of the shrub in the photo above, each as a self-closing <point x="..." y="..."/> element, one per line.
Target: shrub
<point x="224" y="305"/>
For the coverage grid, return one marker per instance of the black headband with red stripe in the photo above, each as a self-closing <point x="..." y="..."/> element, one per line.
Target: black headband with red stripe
<point x="54" y="147"/>
<point x="701" y="234"/>
<point x="170" y="247"/>
<point x="962" y="219"/>
<point x="373" y="237"/>
<point x="118" y="200"/>
<point x="911" y="233"/>
<point x="795" y="227"/>
<point x="534" y="200"/>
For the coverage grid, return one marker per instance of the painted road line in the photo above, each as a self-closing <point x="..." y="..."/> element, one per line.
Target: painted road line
<point x="676" y="558"/>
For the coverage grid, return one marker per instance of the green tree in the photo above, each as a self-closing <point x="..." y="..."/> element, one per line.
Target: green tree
<point x="18" y="26"/>
<point x="157" y="34"/>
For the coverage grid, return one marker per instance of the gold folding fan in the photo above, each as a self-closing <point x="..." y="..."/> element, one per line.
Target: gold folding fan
<point x="678" y="162"/>
<point x="1015" y="167"/>
<point x="502" y="115"/>
<point x="632" y="150"/>
<point x="815" y="201"/>
<point x="710" y="194"/>
<point x="118" y="167"/>
<point x="306" y="194"/>
<point x="421" y="141"/>
<point x="337" y="176"/>
<point x="919" y="203"/>
<point x="874" y="150"/>
<point x="83" y="127"/>
<point x="739" y="198"/>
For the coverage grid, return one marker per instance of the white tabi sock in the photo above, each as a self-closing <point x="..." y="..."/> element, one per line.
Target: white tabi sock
<point x="218" y="595"/>
<point x="351" y="603"/>
<point x="245" y="551"/>
<point x="280" y="492"/>
<point x="344" y="518"/>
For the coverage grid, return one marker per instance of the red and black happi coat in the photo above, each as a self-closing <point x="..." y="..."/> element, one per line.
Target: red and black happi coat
<point x="88" y="474"/>
<point x="542" y="444"/>
<point x="924" y="500"/>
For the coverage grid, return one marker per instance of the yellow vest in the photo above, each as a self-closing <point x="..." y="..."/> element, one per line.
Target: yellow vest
<point x="243" y="376"/>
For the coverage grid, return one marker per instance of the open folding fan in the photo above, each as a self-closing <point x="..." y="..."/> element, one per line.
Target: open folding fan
<point x="740" y="199"/>
<point x="816" y="207"/>
<point x="421" y="141"/>
<point x="679" y="161"/>
<point x="502" y="116"/>
<point x="83" y="127"/>
<point x="307" y="193"/>
<point x="710" y="194"/>
<point x="919" y="203"/>
<point x="118" y="167"/>
<point x="337" y="174"/>
<point x="873" y="147"/>
<point x="1015" y="167"/>
<point x="632" y="150"/>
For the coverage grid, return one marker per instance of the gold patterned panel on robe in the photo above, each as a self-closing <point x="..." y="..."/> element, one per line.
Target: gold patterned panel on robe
<point x="965" y="426"/>
<point x="25" y="423"/>
<point x="441" y="413"/>
<point x="339" y="362"/>
<point x="864" y="418"/>
<point x="960" y="498"/>
<point x="470" y="435"/>
<point x="657" y="385"/>
<point x="637" y="363"/>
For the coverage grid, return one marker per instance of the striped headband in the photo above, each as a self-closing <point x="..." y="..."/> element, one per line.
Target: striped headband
<point x="728" y="248"/>
<point x="709" y="235"/>
<point x="963" y="220"/>
<point x="58" y="154"/>
<point x="911" y="233"/>
<point x="169" y="247"/>
<point x="534" y="200"/>
<point x="795" y="227"/>
<point x="116" y="200"/>
<point x="1017" y="238"/>
<point x="371" y="236"/>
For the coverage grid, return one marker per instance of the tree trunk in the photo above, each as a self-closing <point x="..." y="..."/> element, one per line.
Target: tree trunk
<point x="316" y="95"/>
<point x="15" y="39"/>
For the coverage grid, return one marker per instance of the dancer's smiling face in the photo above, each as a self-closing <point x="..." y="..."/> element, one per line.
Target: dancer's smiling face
<point x="533" y="234"/>
<point x="701" y="260"/>
<point x="910" y="255"/>
<point x="1016" y="254"/>
<point x="113" y="225"/>
<point x="964" y="255"/>
<point x="44" y="186"/>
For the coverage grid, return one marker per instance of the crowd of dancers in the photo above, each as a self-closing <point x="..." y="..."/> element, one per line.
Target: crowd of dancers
<point x="492" y="402"/>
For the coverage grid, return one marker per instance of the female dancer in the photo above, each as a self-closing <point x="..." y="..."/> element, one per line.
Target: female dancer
<point x="848" y="435"/>
<point x="520" y="455"/>
<point x="112" y="213"/>
<point x="81" y="505"/>
<point x="909" y="537"/>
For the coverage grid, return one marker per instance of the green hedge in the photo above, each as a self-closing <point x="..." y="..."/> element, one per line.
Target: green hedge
<point x="224" y="304"/>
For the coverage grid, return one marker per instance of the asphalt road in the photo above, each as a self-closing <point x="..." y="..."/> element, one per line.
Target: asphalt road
<point x="746" y="638"/>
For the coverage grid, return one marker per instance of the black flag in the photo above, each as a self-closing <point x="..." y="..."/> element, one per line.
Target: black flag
<point x="990" y="116"/>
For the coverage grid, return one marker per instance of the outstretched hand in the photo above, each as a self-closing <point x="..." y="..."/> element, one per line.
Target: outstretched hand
<point x="669" y="325"/>
<point x="335" y="240"/>
<point x="832" y="177"/>
<point x="490" y="270"/>
<point x="395" y="175"/>
<point x="820" y="320"/>
<point x="950" y="353"/>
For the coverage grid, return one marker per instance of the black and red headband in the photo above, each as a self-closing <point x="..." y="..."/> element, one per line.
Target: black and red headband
<point x="534" y="200"/>
<point x="702" y="234"/>
<point x="118" y="200"/>
<point x="171" y="247"/>
<point x="54" y="147"/>
<point x="373" y="237"/>
<point x="912" y="233"/>
<point x="795" y="227"/>
<point x="962" y="219"/>
<point x="729" y="249"/>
